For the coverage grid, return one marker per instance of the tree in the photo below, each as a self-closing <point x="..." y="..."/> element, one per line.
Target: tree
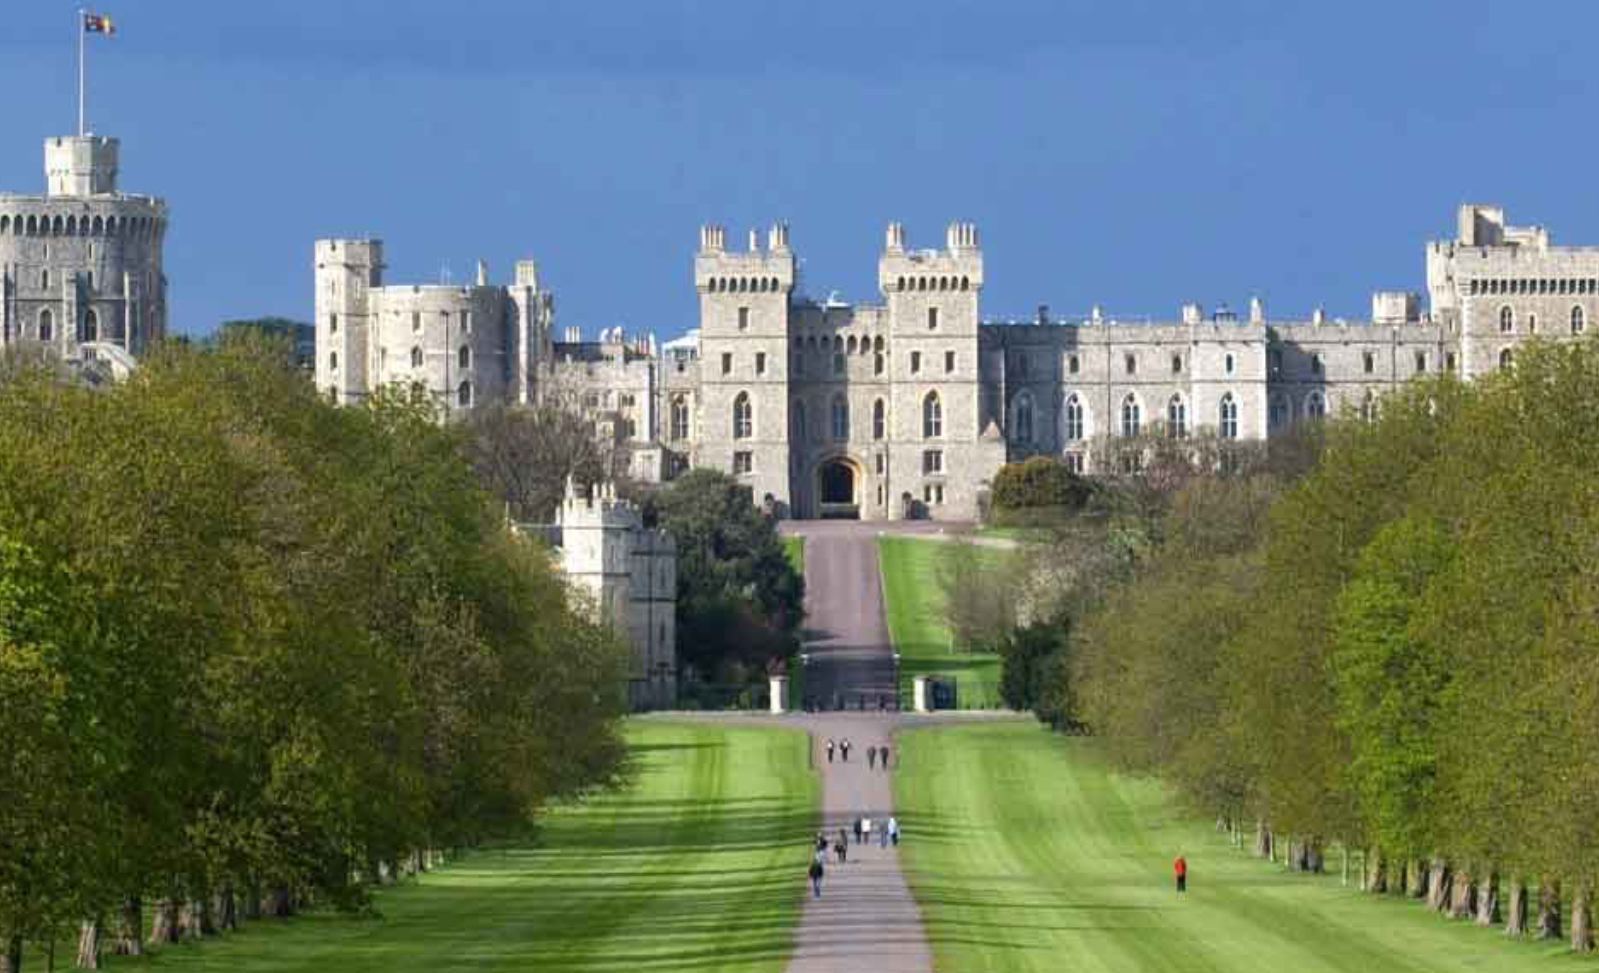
<point x="525" y="454"/>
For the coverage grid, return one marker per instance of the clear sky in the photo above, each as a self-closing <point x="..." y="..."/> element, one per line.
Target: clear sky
<point x="1133" y="154"/>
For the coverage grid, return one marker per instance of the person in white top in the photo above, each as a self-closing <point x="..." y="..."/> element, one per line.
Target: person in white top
<point x="893" y="831"/>
<point x="866" y="831"/>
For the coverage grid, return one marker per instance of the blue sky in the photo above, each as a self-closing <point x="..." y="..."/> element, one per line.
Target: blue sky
<point x="1131" y="154"/>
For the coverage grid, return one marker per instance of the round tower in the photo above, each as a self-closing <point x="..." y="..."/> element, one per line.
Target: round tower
<point x="83" y="261"/>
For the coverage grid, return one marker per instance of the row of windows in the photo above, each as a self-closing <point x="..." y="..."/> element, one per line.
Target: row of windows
<point x="137" y="227"/>
<point x="1074" y="364"/>
<point x="744" y="417"/>
<point x="838" y="343"/>
<point x="1578" y="320"/>
<point x="937" y="283"/>
<point x="1534" y="285"/>
<point x="741" y="285"/>
<point x="89" y="328"/>
<point x="463" y="358"/>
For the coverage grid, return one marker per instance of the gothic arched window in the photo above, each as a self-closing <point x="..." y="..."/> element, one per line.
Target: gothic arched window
<point x="1229" y="417"/>
<point x="416" y="357"/>
<point x="1132" y="416"/>
<point x="46" y="325"/>
<point x="743" y="416"/>
<point x="463" y="395"/>
<point x="879" y="419"/>
<point x="932" y="416"/>
<point x="840" y="416"/>
<point x="1177" y="418"/>
<point x="1075" y="426"/>
<point x="1024" y="418"/>
<point x="679" y="419"/>
<point x="1578" y="320"/>
<point x="1507" y="320"/>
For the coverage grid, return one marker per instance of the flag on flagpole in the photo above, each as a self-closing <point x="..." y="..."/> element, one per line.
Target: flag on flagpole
<point x="98" y="24"/>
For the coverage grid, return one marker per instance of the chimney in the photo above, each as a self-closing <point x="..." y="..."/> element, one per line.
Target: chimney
<point x="777" y="238"/>
<point x="1192" y="314"/>
<point x="895" y="242"/>
<point x="1318" y="317"/>
<point x="482" y="273"/>
<point x="755" y="241"/>
<point x="1257" y="311"/>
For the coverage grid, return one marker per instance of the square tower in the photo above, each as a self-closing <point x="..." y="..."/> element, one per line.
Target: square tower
<point x="346" y="273"/>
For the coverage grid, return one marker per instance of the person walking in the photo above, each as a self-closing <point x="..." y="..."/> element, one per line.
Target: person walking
<point x="858" y="821"/>
<point x="829" y="749"/>
<point x="841" y="846"/>
<point x="882" y="835"/>
<point x="893" y="831"/>
<point x="866" y="831"/>
<point x="821" y="842"/>
<point x="843" y="749"/>
<point x="1180" y="869"/>
<point x="882" y="755"/>
<point x="816" y="873"/>
<point x="871" y="757"/>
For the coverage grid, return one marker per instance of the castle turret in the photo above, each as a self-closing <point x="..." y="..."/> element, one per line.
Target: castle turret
<point x="346" y="273"/>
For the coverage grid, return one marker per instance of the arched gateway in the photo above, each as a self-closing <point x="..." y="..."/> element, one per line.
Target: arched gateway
<point x="838" y="482"/>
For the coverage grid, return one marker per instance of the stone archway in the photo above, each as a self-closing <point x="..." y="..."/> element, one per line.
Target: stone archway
<point x="838" y="489"/>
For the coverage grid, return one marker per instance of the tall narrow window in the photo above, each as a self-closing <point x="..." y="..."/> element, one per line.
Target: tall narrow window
<point x="1024" y="418"/>
<point x="916" y="363"/>
<point x="1227" y="363"/>
<point x="760" y="363"/>
<point x="46" y="325"/>
<point x="464" y="357"/>
<point x="727" y="363"/>
<point x="743" y="319"/>
<point x="416" y="357"/>
<point x="1176" y="364"/>
<point x="879" y="419"/>
<point x="1507" y="320"/>
<point x="1315" y="406"/>
<point x="1315" y="363"/>
<point x="1507" y="358"/>
<point x="949" y="362"/>
<point x="333" y="361"/>
<point x="1073" y="365"/>
<point x="840" y="416"/>
<point x="1578" y="322"/>
<point x="1130" y="364"/>
<point x="1277" y="411"/>
<point x="743" y="416"/>
<point x="1132" y="418"/>
<point x="91" y="325"/>
<point x="1421" y="362"/>
<point x="1368" y="407"/>
<point x="333" y="324"/>
<point x="932" y="319"/>
<point x="932" y="416"/>
<point x="1369" y="362"/>
<point x="932" y="461"/>
<point x="878" y="364"/>
<point x="416" y="321"/>
<point x="797" y="423"/>
<point x="44" y="279"/>
<point x="463" y="395"/>
<point x="1074" y="418"/>
<point x="743" y="462"/>
<point x="1229" y="417"/>
<point x="466" y="321"/>
<point x="679" y="417"/>
<point x="1177" y="418"/>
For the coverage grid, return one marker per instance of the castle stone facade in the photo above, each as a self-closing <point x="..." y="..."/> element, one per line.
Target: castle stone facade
<point x="80" y="265"/>
<point x="908" y="404"/>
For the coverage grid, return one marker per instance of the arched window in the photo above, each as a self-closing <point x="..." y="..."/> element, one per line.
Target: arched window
<point x="1277" y="413"/>
<point x="840" y="414"/>
<point x="333" y="361"/>
<point x="1177" y="418"/>
<point x="46" y="325"/>
<point x="879" y="363"/>
<point x="932" y="416"/>
<point x="463" y="395"/>
<point x="1506" y="358"/>
<point x="879" y="419"/>
<point x="91" y="325"/>
<point x="464" y="359"/>
<point x="1075" y="427"/>
<point x="852" y="345"/>
<point x="416" y="357"/>
<point x="1507" y="320"/>
<point x="965" y="283"/>
<point x="1227" y="363"/>
<point x="72" y="226"/>
<point x="1578" y="320"/>
<point x="1023" y="419"/>
<point x="1132" y="416"/>
<point x="743" y="416"/>
<point x="1229" y="417"/>
<point x="877" y="343"/>
<point x="679" y="419"/>
<point x="1315" y="406"/>
<point x="796" y="430"/>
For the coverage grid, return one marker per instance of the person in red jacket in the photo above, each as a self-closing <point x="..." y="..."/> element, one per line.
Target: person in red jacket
<point x="1180" y="869"/>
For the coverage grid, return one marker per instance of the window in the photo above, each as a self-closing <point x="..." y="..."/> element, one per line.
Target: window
<point x="1449" y="361"/>
<point x="840" y="416"/>
<point x="1074" y="463"/>
<point x="878" y="364"/>
<point x="932" y="461"/>
<point x="463" y="395"/>
<point x="797" y="422"/>
<point x="1177" y="364"/>
<point x="1315" y="363"/>
<point x="743" y="416"/>
<point x="416" y="357"/>
<point x="882" y="465"/>
<point x="333" y="324"/>
<point x="1532" y="324"/>
<point x="1368" y="361"/>
<point x="743" y="463"/>
<point x="679" y="417"/>
<point x="760" y="363"/>
<point x="932" y="417"/>
<point x="838" y="363"/>
<point x="1507" y="320"/>
<point x="932" y="319"/>
<point x="1274" y="362"/>
<point x="1421" y="362"/>
<point x="727" y="363"/>
<point x="879" y="419"/>
<point x="89" y="280"/>
<point x="416" y="321"/>
<point x="799" y="364"/>
<point x="1130" y="364"/>
<point x="1131" y="416"/>
<point x="1073" y="365"/>
<point x="1227" y="363"/>
<point x="1177" y="418"/>
<point x="464" y="359"/>
<point x="44" y="279"/>
<point x="949" y="362"/>
<point x="916" y="362"/>
<point x="91" y="325"/>
<point x="1229" y="417"/>
<point x="743" y="319"/>
<point x="466" y="321"/>
<point x="1074" y="418"/>
<point x="1277" y="411"/>
<point x="1024" y="418"/>
<point x="333" y="361"/>
<point x="933" y="493"/>
<point x="1315" y="406"/>
<point x="1577" y="320"/>
<point x="1506" y="358"/>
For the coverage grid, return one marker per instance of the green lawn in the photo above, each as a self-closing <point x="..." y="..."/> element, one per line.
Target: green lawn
<point x="915" y="609"/>
<point x="698" y="866"/>
<point x="1026" y="854"/>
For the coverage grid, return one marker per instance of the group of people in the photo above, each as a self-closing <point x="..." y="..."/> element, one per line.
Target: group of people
<point x="874" y="754"/>
<point x="887" y="834"/>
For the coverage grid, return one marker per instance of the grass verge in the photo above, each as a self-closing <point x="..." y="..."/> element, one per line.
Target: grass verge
<point x="914" y="604"/>
<point x="1026" y="853"/>
<point x="700" y="864"/>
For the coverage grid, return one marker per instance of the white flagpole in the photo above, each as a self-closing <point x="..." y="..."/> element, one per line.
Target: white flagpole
<point x="81" y="31"/>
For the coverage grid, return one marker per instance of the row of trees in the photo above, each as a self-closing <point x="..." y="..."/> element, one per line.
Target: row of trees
<point x="1382" y="636"/>
<point x="256" y="650"/>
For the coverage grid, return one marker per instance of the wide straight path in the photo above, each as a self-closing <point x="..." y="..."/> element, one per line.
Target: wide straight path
<point x="851" y="657"/>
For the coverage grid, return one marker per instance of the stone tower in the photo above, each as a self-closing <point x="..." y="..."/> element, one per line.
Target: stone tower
<point x="744" y="339"/>
<point x="346" y="273"/>
<point x="82" y="263"/>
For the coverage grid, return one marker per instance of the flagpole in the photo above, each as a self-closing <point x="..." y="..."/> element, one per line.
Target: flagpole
<point x="81" y="32"/>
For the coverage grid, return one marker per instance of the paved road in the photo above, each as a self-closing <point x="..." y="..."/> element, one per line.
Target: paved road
<point x="847" y="642"/>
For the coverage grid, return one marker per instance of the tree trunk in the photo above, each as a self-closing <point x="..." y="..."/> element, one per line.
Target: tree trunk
<point x="1516" y="912"/>
<point x="11" y="959"/>
<point x="252" y="900"/>
<point x="1549" y="910"/>
<point x="1437" y="885"/>
<point x="226" y="908"/>
<point x="1262" y="840"/>
<point x="1376" y="872"/>
<point x="1415" y="879"/>
<point x="1462" y="896"/>
<point x="89" y="944"/>
<point x="1343" y="872"/>
<point x="129" y="939"/>
<point x="1315" y="857"/>
<point x="1488" y="900"/>
<point x="1581" y="921"/>
<point x="165" y="929"/>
